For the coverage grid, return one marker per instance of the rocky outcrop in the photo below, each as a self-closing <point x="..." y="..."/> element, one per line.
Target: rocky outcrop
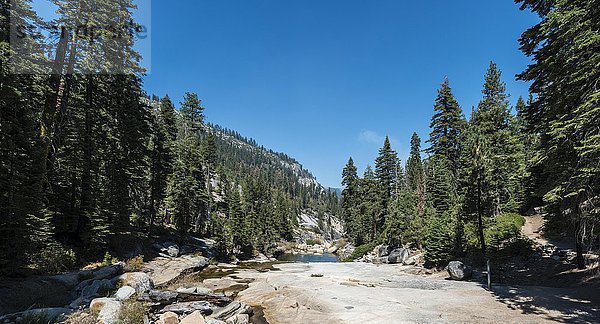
<point x="399" y="255"/>
<point x="459" y="271"/>
<point x="160" y="298"/>
<point x="232" y="310"/>
<point x="82" y="289"/>
<point x="54" y="291"/>
<point x="165" y="270"/>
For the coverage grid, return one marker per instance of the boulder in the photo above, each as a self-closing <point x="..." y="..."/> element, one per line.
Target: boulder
<point x="238" y="319"/>
<point x="194" y="318"/>
<point x="189" y="307"/>
<point x="168" y="318"/>
<point x="107" y="308"/>
<point x="140" y="281"/>
<point x="415" y="259"/>
<point x="124" y="293"/>
<point x="459" y="271"/>
<point x="383" y="250"/>
<point x="232" y="309"/>
<point x="399" y="255"/>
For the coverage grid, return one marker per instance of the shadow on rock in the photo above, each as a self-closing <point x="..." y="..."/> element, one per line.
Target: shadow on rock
<point x="581" y="305"/>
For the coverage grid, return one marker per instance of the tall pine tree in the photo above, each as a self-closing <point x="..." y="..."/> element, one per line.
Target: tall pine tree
<point x="565" y="112"/>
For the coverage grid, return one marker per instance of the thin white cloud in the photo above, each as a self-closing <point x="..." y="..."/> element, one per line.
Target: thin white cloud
<point x="372" y="137"/>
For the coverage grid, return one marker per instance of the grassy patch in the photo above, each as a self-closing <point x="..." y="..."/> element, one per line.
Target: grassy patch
<point x="135" y="263"/>
<point x="132" y="312"/>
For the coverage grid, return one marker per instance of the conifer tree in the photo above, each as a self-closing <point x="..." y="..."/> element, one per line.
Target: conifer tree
<point x="209" y="151"/>
<point x="350" y="197"/>
<point x="494" y="121"/>
<point x="479" y="193"/>
<point x="186" y="192"/>
<point x="386" y="174"/>
<point x="371" y="210"/>
<point x="385" y="170"/>
<point x="564" y="78"/>
<point x="415" y="176"/>
<point x="447" y="125"/>
<point x="443" y="197"/>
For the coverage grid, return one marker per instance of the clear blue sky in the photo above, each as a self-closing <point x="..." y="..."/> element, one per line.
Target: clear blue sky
<point x="322" y="80"/>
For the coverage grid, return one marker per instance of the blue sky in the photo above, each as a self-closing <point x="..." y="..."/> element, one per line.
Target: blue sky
<point x="322" y="80"/>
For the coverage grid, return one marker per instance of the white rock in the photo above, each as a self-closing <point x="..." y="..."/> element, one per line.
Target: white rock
<point x="124" y="293"/>
<point x="107" y="308"/>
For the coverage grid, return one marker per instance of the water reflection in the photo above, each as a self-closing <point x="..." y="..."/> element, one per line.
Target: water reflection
<point x="327" y="257"/>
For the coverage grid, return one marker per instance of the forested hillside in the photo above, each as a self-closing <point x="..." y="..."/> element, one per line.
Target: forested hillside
<point x="483" y="168"/>
<point x="88" y="157"/>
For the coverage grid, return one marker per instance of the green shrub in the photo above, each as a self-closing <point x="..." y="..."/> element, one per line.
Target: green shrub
<point x="439" y="240"/>
<point x="504" y="227"/>
<point x="360" y="251"/>
<point x="108" y="259"/>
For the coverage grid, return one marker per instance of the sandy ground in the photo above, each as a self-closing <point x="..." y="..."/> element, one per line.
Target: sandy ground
<point x="368" y="293"/>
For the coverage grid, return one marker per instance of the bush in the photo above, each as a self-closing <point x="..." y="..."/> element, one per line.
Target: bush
<point x="360" y="251"/>
<point x="54" y="259"/>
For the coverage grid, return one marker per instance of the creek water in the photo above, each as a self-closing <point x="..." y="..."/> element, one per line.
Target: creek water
<point x="327" y="257"/>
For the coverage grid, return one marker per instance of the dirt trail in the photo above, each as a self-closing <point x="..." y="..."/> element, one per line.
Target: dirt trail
<point x="533" y="229"/>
